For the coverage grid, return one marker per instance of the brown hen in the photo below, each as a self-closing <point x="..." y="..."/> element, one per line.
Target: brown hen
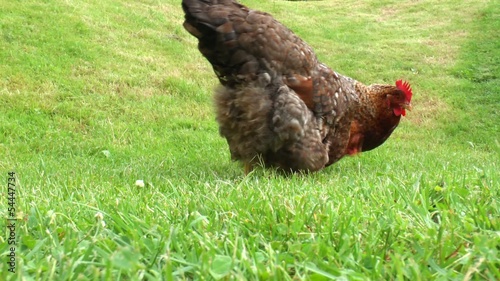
<point x="277" y="104"/>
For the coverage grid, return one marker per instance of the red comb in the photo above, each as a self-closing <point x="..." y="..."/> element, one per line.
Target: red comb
<point x="405" y="87"/>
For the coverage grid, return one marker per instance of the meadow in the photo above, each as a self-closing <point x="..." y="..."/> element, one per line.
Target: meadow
<point x="95" y="95"/>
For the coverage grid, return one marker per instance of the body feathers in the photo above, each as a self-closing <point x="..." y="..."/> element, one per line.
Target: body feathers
<point x="277" y="104"/>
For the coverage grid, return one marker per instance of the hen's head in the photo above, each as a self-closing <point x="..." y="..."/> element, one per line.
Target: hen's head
<point x="400" y="99"/>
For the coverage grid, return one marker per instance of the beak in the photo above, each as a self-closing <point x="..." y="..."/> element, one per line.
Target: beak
<point x="407" y="106"/>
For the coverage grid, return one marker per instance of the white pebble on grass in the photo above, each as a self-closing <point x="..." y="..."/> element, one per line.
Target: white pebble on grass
<point x="139" y="183"/>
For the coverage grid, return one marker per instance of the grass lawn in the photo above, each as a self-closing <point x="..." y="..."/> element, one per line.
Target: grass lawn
<point x="95" y="95"/>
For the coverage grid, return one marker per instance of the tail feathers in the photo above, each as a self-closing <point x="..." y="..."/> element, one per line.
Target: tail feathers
<point x="206" y="16"/>
<point x="197" y="22"/>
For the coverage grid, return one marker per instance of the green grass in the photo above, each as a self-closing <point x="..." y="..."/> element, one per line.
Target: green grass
<point x="98" y="94"/>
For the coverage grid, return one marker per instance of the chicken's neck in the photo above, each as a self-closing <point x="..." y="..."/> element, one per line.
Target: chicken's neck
<point x="375" y="118"/>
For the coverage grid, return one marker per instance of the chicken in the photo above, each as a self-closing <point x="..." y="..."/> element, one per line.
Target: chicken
<point x="277" y="104"/>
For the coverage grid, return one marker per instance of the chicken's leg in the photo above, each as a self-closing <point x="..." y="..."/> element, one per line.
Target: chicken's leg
<point x="248" y="168"/>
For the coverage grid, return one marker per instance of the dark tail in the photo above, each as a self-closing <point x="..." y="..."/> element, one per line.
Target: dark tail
<point x="204" y="17"/>
<point x="218" y="24"/>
